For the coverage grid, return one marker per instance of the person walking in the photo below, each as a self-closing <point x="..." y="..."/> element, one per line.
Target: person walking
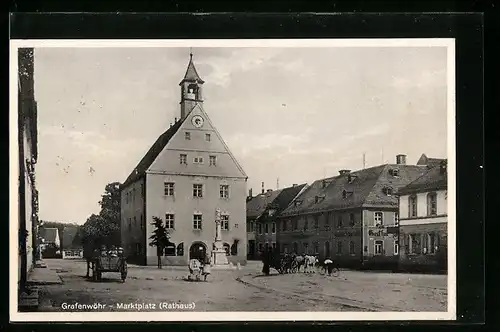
<point x="206" y="267"/>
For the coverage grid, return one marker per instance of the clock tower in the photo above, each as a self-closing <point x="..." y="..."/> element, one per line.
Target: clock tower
<point x="191" y="89"/>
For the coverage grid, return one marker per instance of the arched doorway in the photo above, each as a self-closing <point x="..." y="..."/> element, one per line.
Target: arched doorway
<point x="198" y="250"/>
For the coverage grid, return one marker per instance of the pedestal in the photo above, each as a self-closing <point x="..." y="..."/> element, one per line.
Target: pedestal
<point x="219" y="255"/>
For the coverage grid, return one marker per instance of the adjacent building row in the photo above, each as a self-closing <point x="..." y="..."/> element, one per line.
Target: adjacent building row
<point x="391" y="214"/>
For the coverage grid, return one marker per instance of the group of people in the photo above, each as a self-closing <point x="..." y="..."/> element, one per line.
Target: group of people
<point x="200" y="266"/>
<point x="113" y="251"/>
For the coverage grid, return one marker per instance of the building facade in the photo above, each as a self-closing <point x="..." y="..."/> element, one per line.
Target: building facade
<point x="28" y="154"/>
<point x="423" y="209"/>
<point x="187" y="175"/>
<point x="351" y="218"/>
<point x="262" y="217"/>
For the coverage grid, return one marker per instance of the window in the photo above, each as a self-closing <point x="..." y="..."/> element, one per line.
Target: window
<point x="129" y="224"/>
<point x="414" y="244"/>
<point x="234" y="248"/>
<point x="224" y="191"/>
<point x="142" y="221"/>
<point x="284" y="225"/>
<point x="352" y="250"/>
<point x="169" y="189"/>
<point x="273" y="246"/>
<point x="225" y="222"/>
<point x="351" y="219"/>
<point x="197" y="190"/>
<point x="327" y="220"/>
<point x="197" y="219"/>
<point x="133" y="195"/>
<point x="187" y="136"/>
<point x="169" y="221"/>
<point x="306" y="224"/>
<point x="295" y="247"/>
<point x="142" y="190"/>
<point x="396" y="218"/>
<point x="316" y="248"/>
<point x="183" y="159"/>
<point x="266" y="228"/>
<point x="198" y="160"/>
<point x="260" y="247"/>
<point x="339" y="247"/>
<point x="252" y="226"/>
<point x="295" y="224"/>
<point x="135" y="222"/>
<point x="339" y="221"/>
<point x="396" y="247"/>
<point x="412" y="206"/>
<point x="305" y="247"/>
<point x="180" y="249"/>
<point x="316" y="221"/>
<point x="431" y="204"/>
<point x="273" y="228"/>
<point x="213" y="160"/>
<point x="379" y="218"/>
<point x="259" y="228"/>
<point x="394" y="172"/>
<point x="207" y="137"/>
<point x="379" y="247"/>
<point x="431" y="241"/>
<point x="170" y="249"/>
<point x="388" y="191"/>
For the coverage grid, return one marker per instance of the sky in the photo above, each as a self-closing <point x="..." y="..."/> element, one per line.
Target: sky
<point x="288" y="115"/>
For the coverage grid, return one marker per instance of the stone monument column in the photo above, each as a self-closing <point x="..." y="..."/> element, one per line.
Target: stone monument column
<point x="218" y="253"/>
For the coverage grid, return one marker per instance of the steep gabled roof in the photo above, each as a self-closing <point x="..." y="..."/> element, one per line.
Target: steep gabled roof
<point x="367" y="188"/>
<point x="69" y="233"/>
<point x="50" y="234"/>
<point x="429" y="162"/>
<point x="191" y="73"/>
<point x="286" y="196"/>
<point x="153" y="153"/>
<point x="307" y="198"/>
<point x="258" y="204"/>
<point x="433" y="179"/>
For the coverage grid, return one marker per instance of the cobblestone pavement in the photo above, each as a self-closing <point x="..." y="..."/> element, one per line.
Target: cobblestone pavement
<point x="146" y="285"/>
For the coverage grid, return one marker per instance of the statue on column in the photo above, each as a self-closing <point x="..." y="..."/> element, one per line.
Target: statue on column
<point x="218" y="253"/>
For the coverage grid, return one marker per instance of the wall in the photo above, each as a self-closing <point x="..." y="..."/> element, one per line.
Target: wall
<point x="28" y="198"/>
<point x="387" y="233"/>
<point x="133" y="230"/>
<point x="442" y="204"/>
<point x="183" y="205"/>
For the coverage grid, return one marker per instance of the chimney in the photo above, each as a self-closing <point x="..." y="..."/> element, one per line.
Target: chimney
<point x="401" y="159"/>
<point x="263" y="187"/>
<point x="269" y="190"/>
<point x="175" y="120"/>
<point x="294" y="185"/>
<point x="250" y="193"/>
<point x="344" y="171"/>
<point x="443" y="165"/>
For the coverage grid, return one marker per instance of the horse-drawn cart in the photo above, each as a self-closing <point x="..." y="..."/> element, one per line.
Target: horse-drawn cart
<point x="103" y="264"/>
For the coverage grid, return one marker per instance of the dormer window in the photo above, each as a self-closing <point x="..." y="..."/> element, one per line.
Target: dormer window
<point x="344" y="194"/>
<point x="297" y="203"/>
<point x="388" y="191"/>
<point x="394" y="172"/>
<point x="351" y="178"/>
<point x="316" y="199"/>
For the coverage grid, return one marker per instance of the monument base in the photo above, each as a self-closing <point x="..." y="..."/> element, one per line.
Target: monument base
<point x="219" y="258"/>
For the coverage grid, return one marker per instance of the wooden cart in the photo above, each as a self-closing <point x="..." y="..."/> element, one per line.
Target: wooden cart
<point x="103" y="264"/>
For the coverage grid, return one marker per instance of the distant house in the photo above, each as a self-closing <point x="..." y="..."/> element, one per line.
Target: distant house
<point x="51" y="236"/>
<point x="423" y="222"/>
<point x="71" y="250"/>
<point x="51" y="243"/>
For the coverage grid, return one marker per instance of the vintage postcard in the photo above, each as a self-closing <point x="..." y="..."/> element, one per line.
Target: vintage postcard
<point x="226" y="180"/>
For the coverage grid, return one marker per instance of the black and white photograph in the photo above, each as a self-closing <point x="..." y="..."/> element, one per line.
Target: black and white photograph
<point x="216" y="180"/>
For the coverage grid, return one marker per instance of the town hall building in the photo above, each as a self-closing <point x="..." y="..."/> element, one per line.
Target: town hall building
<point x="186" y="176"/>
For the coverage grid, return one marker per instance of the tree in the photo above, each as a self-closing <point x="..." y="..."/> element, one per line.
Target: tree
<point x="103" y="228"/>
<point x="159" y="238"/>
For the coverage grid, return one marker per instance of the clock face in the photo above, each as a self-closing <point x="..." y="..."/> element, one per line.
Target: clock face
<point x="197" y="121"/>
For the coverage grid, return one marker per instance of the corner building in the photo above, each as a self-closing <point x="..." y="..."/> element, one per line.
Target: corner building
<point x="186" y="175"/>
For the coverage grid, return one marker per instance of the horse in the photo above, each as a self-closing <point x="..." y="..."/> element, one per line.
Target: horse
<point x="309" y="263"/>
<point x="89" y="254"/>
